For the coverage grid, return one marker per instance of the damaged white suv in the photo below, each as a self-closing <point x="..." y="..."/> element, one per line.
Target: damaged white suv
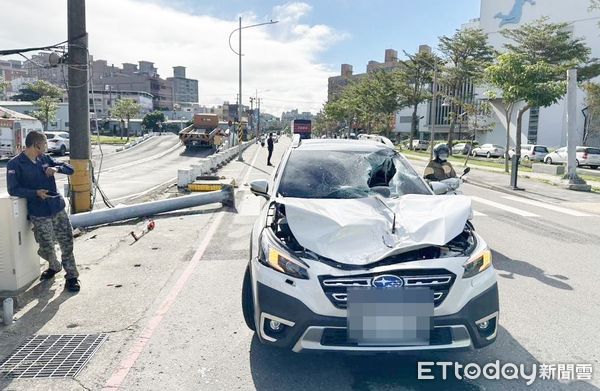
<point x="353" y="252"/>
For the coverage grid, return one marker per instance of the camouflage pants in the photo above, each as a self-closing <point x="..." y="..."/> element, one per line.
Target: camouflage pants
<point x="57" y="228"/>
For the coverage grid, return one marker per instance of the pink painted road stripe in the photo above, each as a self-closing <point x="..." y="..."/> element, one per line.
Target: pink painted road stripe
<point x="118" y="377"/>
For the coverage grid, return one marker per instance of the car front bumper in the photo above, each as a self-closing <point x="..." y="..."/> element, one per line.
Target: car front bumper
<point x="305" y="330"/>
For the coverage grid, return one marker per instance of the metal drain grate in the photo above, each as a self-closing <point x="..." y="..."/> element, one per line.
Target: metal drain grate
<point x="44" y="356"/>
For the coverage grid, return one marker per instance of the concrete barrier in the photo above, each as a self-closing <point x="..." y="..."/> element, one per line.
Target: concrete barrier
<point x="548" y="169"/>
<point x="184" y="177"/>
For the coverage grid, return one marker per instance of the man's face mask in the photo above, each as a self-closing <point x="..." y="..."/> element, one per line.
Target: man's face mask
<point x="443" y="156"/>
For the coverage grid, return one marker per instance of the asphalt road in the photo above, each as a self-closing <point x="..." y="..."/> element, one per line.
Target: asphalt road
<point x="128" y="174"/>
<point x="545" y="261"/>
<point x="175" y="322"/>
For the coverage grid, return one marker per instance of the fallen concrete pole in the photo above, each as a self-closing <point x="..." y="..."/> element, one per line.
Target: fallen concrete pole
<point x="106" y="216"/>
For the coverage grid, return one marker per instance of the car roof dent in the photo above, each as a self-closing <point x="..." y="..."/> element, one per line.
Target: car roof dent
<point x="359" y="231"/>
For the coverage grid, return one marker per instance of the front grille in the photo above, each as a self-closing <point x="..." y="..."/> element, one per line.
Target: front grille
<point x="339" y="337"/>
<point x="439" y="280"/>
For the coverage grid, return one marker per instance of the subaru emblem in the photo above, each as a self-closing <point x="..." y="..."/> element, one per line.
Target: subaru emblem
<point x="387" y="281"/>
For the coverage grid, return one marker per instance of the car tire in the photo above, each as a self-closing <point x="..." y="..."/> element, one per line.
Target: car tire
<point x="247" y="301"/>
<point x="488" y="155"/>
<point x="474" y="154"/>
<point x="526" y="158"/>
<point x="576" y="163"/>
<point x="548" y="160"/>
<point x="593" y="167"/>
<point x="63" y="150"/>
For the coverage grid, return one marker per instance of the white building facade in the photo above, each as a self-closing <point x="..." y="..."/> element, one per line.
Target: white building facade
<point x="545" y="126"/>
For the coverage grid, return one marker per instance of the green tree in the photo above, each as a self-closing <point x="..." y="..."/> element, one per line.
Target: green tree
<point x="124" y="109"/>
<point x="3" y="85"/>
<point x="550" y="49"/>
<point x="414" y="77"/>
<point x="592" y="100"/>
<point x="519" y="80"/>
<point x="466" y="54"/>
<point x="47" y="103"/>
<point x="151" y="120"/>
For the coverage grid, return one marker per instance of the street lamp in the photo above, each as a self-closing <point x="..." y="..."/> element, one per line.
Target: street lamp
<point x="239" y="53"/>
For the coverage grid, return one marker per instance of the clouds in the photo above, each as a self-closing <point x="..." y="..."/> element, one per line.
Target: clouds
<point x="282" y="58"/>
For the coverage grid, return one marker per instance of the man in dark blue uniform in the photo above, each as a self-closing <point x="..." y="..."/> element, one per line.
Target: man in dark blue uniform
<point x="30" y="175"/>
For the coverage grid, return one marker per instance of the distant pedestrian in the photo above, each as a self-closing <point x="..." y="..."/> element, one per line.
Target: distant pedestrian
<point x="270" y="148"/>
<point x="30" y="175"/>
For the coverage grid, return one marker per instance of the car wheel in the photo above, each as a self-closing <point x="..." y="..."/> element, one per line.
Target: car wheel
<point x="526" y="158"/>
<point x="474" y="154"/>
<point x="63" y="150"/>
<point x="247" y="302"/>
<point x="576" y="163"/>
<point x="593" y="167"/>
<point x="548" y="160"/>
<point x="488" y="155"/>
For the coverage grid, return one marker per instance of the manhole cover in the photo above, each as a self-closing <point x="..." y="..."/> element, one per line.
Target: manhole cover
<point x="43" y="356"/>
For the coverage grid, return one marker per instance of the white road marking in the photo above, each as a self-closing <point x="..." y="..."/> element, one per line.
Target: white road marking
<point x="144" y="160"/>
<point x="547" y="206"/>
<point x="136" y="195"/>
<point x="475" y="213"/>
<point x="506" y="208"/>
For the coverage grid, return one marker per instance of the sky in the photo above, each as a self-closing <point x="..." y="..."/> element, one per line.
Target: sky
<point x="285" y="64"/>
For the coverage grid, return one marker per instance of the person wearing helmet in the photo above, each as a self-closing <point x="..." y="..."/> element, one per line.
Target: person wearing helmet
<point x="439" y="168"/>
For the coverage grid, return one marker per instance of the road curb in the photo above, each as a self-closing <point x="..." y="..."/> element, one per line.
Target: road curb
<point x="520" y="193"/>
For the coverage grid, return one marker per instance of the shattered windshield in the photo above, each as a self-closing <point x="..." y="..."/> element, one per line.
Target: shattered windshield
<point x="348" y="174"/>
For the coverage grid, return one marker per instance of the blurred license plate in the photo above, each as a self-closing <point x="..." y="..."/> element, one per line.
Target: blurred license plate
<point x="389" y="316"/>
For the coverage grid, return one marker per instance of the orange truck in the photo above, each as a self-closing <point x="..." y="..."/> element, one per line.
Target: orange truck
<point x="204" y="132"/>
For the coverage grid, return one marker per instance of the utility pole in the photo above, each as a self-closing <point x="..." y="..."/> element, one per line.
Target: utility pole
<point x="258" y="119"/>
<point x="575" y="182"/>
<point x="81" y="184"/>
<point x="251" y="115"/>
<point x="433" y="108"/>
<point x="240" y="157"/>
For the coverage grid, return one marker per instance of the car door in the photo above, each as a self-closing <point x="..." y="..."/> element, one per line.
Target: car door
<point x="67" y="141"/>
<point x="561" y="155"/>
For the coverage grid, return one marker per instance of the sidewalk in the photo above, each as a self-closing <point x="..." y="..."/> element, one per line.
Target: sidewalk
<point x="541" y="187"/>
<point x="124" y="283"/>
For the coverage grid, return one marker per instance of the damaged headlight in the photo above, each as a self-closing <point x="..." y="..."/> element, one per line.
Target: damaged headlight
<point x="275" y="256"/>
<point x="477" y="263"/>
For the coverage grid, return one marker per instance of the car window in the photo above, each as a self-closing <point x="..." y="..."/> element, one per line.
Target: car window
<point x="348" y="174"/>
<point x="580" y="149"/>
<point x="593" y="151"/>
<point x="541" y="149"/>
<point x="486" y="145"/>
<point x="497" y="146"/>
<point x="50" y="135"/>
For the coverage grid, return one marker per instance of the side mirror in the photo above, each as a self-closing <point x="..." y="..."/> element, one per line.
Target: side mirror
<point x="260" y="187"/>
<point x="439" y="188"/>
<point x="467" y="170"/>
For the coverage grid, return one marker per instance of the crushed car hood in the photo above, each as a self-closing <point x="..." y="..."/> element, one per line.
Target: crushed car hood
<point x="359" y="231"/>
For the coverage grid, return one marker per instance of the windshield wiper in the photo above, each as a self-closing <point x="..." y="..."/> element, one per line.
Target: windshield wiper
<point x="391" y="210"/>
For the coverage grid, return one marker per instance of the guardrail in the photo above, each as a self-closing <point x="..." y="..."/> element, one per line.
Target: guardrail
<point x="208" y="165"/>
<point x="135" y="142"/>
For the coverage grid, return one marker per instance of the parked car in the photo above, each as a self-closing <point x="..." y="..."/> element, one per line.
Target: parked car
<point x="584" y="156"/>
<point x="533" y="152"/>
<point x="327" y="239"/>
<point x="420" y="145"/>
<point x="58" y="142"/>
<point x="488" y="150"/>
<point x="462" y="148"/>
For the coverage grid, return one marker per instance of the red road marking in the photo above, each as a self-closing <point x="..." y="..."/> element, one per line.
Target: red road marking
<point x="118" y="377"/>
